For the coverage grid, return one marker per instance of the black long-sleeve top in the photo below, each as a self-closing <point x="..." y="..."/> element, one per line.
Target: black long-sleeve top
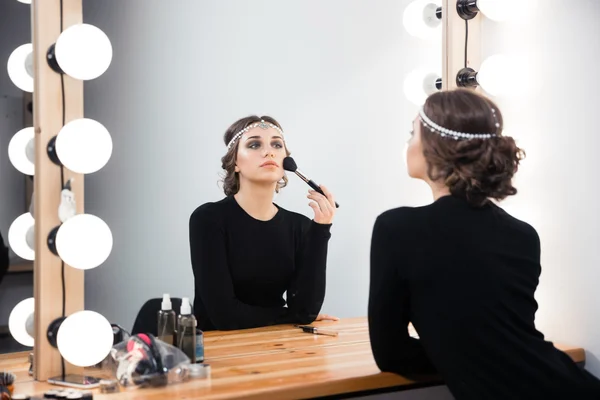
<point x="465" y="277"/>
<point x="243" y="266"/>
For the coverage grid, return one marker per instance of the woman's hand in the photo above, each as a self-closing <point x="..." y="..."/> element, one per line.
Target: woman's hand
<point x="325" y="317"/>
<point x="323" y="206"/>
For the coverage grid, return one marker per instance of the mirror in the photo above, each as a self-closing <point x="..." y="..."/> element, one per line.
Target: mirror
<point x="332" y="74"/>
<point x="16" y="283"/>
<point x="183" y="73"/>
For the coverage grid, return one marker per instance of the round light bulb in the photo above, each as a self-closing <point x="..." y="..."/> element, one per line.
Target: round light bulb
<point x="85" y="338"/>
<point x="419" y="84"/>
<point x="83" y="51"/>
<point x="18" y="236"/>
<point x="83" y="145"/>
<point x="494" y="75"/>
<point x="84" y="241"/>
<point x="420" y="20"/>
<point x="505" y="10"/>
<point x="21" y="151"/>
<point x="20" y="322"/>
<point x="496" y="10"/>
<point x="19" y="71"/>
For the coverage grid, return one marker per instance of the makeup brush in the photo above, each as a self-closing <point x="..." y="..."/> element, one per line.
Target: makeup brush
<point x="290" y="165"/>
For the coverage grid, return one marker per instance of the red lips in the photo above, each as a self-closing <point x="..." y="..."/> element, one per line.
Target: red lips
<point x="266" y="163"/>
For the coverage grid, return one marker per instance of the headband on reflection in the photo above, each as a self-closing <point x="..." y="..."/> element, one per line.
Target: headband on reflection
<point x="262" y="124"/>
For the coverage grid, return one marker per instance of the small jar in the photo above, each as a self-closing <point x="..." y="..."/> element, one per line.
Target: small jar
<point x="200" y="371"/>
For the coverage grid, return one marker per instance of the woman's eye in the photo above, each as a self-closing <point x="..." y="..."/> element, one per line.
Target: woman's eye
<point x="254" y="145"/>
<point x="278" y="145"/>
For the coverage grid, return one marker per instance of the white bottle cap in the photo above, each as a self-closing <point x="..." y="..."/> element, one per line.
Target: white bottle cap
<point x="166" y="302"/>
<point x="186" y="308"/>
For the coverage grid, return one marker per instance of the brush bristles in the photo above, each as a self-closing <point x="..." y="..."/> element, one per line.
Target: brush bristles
<point x="289" y="164"/>
<point x="7" y="378"/>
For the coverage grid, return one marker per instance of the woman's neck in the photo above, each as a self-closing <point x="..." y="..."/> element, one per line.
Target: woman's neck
<point x="257" y="200"/>
<point x="438" y="190"/>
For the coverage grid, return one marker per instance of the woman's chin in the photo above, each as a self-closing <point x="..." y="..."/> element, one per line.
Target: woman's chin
<point x="267" y="180"/>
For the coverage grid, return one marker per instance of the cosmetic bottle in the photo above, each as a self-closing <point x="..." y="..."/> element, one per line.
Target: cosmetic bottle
<point x="186" y="330"/>
<point x="166" y="321"/>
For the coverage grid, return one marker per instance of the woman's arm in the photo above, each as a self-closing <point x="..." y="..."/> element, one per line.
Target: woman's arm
<point x="307" y="290"/>
<point x="393" y="348"/>
<point x="213" y="279"/>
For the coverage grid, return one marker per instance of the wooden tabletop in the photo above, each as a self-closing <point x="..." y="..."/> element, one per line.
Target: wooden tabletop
<point x="277" y="362"/>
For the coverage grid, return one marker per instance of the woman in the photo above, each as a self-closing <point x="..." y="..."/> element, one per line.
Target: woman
<point x="247" y="251"/>
<point x="462" y="270"/>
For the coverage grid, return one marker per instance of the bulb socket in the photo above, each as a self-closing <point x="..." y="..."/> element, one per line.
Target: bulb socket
<point x="467" y="77"/>
<point x="51" y="150"/>
<point x="52" y="331"/>
<point x="52" y="240"/>
<point x="51" y="59"/>
<point x="467" y="9"/>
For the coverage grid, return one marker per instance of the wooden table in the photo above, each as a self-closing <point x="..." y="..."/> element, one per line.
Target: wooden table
<point x="279" y="362"/>
<point x="25" y="266"/>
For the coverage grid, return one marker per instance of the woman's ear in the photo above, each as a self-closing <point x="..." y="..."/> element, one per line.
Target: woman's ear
<point x="237" y="169"/>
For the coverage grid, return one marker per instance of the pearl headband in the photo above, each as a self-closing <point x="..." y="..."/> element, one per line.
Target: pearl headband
<point x="262" y="124"/>
<point x="433" y="127"/>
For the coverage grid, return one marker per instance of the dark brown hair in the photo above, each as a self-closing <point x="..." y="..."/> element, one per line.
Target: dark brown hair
<point x="231" y="179"/>
<point x="474" y="169"/>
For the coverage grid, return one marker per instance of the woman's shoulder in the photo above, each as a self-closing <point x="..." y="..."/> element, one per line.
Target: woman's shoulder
<point x="404" y="214"/>
<point x="517" y="225"/>
<point x="211" y="210"/>
<point x="408" y="223"/>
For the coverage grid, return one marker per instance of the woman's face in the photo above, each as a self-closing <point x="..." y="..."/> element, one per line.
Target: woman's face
<point x="260" y="156"/>
<point x="415" y="160"/>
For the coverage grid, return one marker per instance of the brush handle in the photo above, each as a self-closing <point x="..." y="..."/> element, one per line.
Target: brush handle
<point x="316" y="187"/>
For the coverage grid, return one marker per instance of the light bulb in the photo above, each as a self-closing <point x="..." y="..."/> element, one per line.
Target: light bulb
<point x="83" y="145"/>
<point x="420" y="20"/>
<point x="18" y="233"/>
<point x="83" y="51"/>
<point x="419" y="84"/>
<point x="84" y="241"/>
<point x="20" y="67"/>
<point x="20" y="322"/>
<point x="494" y="75"/>
<point x="496" y="10"/>
<point x="21" y="151"/>
<point x="85" y="338"/>
<point x="501" y="10"/>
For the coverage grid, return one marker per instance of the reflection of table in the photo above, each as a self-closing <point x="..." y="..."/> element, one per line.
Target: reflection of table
<point x="25" y="266"/>
<point x="277" y="362"/>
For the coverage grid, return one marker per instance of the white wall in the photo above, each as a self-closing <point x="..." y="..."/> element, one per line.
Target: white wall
<point x="331" y="73"/>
